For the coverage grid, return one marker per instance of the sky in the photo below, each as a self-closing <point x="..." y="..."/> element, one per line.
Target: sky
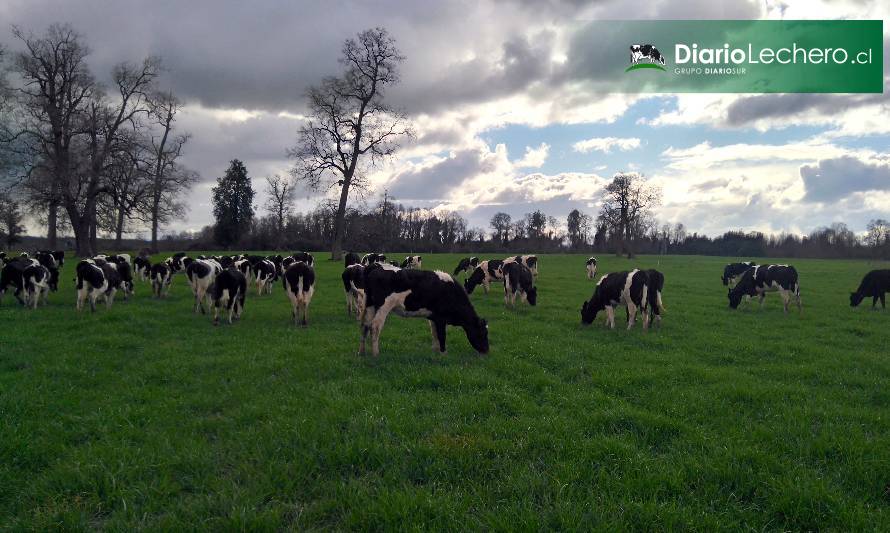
<point x="507" y="113"/>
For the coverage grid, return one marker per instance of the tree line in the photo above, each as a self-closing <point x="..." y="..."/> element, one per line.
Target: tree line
<point x="85" y="157"/>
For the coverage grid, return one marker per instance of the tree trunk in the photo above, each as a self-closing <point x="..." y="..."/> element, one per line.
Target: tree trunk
<point x="119" y="229"/>
<point x="154" y="229"/>
<point x="52" y="222"/>
<point x="337" y="244"/>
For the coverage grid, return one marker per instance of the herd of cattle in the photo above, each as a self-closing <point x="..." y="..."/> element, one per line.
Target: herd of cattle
<point x="375" y="287"/>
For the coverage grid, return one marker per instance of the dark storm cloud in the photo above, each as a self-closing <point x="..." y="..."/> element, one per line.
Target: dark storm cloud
<point x="436" y="181"/>
<point x="746" y="110"/>
<point x="833" y="179"/>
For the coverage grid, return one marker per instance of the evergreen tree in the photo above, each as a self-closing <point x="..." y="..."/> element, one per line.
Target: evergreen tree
<point x="232" y="205"/>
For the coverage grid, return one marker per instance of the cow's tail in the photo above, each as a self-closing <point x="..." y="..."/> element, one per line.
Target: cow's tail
<point x="658" y="301"/>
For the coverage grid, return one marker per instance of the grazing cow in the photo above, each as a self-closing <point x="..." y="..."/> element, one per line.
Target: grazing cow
<point x="591" y="268"/>
<point x="265" y="276"/>
<point x="484" y="273"/>
<point x="638" y="52"/>
<point x="761" y="279"/>
<point x="412" y="261"/>
<point x="419" y="293"/>
<point x="90" y="283"/>
<point x="732" y="272"/>
<point x="35" y="282"/>
<point x="354" y="286"/>
<point x="875" y="284"/>
<point x="12" y="275"/>
<point x="142" y="267"/>
<point x="299" y="284"/>
<point x="228" y="291"/>
<point x="350" y="258"/>
<point x="629" y="288"/>
<point x="530" y="261"/>
<point x="654" y="288"/>
<point x="467" y="264"/>
<point x="161" y="278"/>
<point x="518" y="281"/>
<point x="201" y="273"/>
<point x="373" y="258"/>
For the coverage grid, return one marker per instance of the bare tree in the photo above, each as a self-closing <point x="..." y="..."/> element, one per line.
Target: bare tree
<point x="280" y="202"/>
<point x="500" y="223"/>
<point x="11" y="228"/>
<point x="627" y="204"/>
<point x="56" y="85"/>
<point x="168" y="179"/>
<point x="127" y="188"/>
<point x="350" y="127"/>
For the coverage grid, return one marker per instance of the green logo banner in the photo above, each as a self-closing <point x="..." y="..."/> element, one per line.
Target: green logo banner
<point x="734" y="56"/>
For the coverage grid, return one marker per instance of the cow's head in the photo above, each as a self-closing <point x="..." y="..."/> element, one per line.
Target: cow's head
<point x="590" y="308"/>
<point x="532" y="296"/>
<point x="477" y="334"/>
<point x="856" y="298"/>
<point x="735" y="297"/>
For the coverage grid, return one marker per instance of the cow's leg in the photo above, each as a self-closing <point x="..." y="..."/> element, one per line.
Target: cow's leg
<point x="435" y="336"/>
<point x="610" y="317"/>
<point x="440" y="334"/>
<point x="874" y="302"/>
<point x="883" y="303"/>
<point x="305" y="304"/>
<point x="631" y="314"/>
<point x="377" y="327"/>
<point x="786" y="299"/>
<point x="485" y="285"/>
<point x="94" y="295"/>
<point x="366" y="318"/>
<point x="762" y="297"/>
<point x="506" y="293"/>
<point x="216" y="313"/>
<point x="109" y="298"/>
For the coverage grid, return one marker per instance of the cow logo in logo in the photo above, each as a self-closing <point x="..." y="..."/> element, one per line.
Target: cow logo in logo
<point x="645" y="56"/>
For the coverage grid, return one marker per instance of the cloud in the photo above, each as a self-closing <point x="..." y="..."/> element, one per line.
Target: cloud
<point x="832" y="179"/>
<point x="606" y="144"/>
<point x="534" y="157"/>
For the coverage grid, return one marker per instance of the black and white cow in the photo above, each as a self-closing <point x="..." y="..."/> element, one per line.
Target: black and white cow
<point x="354" y="286"/>
<point x="113" y="280"/>
<point x="875" y="284"/>
<point x="201" y="274"/>
<point x="161" y="278"/>
<point x="265" y="272"/>
<point x="371" y="258"/>
<point x="761" y="279"/>
<point x="412" y="261"/>
<point x="732" y="272"/>
<point x="638" y="52"/>
<point x="243" y="266"/>
<point x="654" y="288"/>
<point x="591" y="268"/>
<point x="305" y="257"/>
<point x="177" y="262"/>
<point x="299" y="284"/>
<point x="613" y="289"/>
<point x="351" y="258"/>
<point x="419" y="293"/>
<point x="90" y="283"/>
<point x="518" y="281"/>
<point x="467" y="264"/>
<point x="125" y="273"/>
<point x="12" y="275"/>
<point x="530" y="261"/>
<point x="276" y="260"/>
<point x="36" y="284"/>
<point x="228" y="292"/>
<point x="484" y="274"/>
<point x="142" y="265"/>
<point x="51" y="263"/>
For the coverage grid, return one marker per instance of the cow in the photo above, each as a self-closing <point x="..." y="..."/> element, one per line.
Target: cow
<point x="638" y="52"/>
<point x="530" y="261"/>
<point x="125" y="273"/>
<point x="12" y="275"/>
<point x="51" y="263"/>
<point x="591" y="268"/>
<point x="484" y="274"/>
<point x="228" y="292"/>
<point x="143" y="267"/>
<point x="243" y="266"/>
<point x="305" y="257"/>
<point x="419" y="293"/>
<point x="161" y="278"/>
<point x="276" y="260"/>
<point x="91" y="283"/>
<point x="371" y="258"/>
<point x="354" y="286"/>
<point x="654" y="288"/>
<point x="265" y="271"/>
<point x="467" y="264"/>
<point x="350" y="258"/>
<point x="412" y="261"/>
<point x="2" y="259"/>
<point x="613" y="289"/>
<point x="299" y="284"/>
<point x="201" y="274"/>
<point x="732" y="272"/>
<point x="759" y="280"/>
<point x="177" y="262"/>
<point x="875" y="284"/>
<point x="113" y="280"/>
<point x="35" y="283"/>
<point x="518" y="281"/>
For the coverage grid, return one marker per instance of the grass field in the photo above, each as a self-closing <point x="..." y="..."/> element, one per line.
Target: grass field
<point x="148" y="417"/>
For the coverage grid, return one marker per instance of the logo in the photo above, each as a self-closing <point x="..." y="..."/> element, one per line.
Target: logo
<point x="645" y="56"/>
